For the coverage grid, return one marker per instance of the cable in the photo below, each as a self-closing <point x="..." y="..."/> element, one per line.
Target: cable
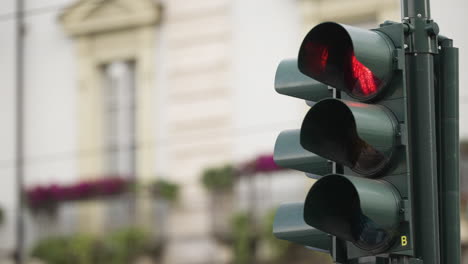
<point x="34" y="12"/>
<point x="40" y="11"/>
<point x="100" y="151"/>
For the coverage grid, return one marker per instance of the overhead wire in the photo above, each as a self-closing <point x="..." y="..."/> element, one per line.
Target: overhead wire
<point x="99" y="151"/>
<point x="7" y="16"/>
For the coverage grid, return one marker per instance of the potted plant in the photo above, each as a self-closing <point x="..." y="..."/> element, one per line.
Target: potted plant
<point x="118" y="247"/>
<point x="164" y="189"/>
<point x="271" y="249"/>
<point x="219" y="181"/>
<point x="164" y="193"/>
<point x="126" y="245"/>
<point x="244" y="239"/>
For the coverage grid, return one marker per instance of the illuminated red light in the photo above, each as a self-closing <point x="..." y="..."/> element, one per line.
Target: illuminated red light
<point x="318" y="57"/>
<point x="338" y="66"/>
<point x="323" y="58"/>
<point x="364" y="76"/>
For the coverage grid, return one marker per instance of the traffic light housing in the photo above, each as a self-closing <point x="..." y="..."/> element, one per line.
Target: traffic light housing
<point x="358" y="128"/>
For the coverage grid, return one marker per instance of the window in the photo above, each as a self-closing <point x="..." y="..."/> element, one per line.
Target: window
<point x="119" y="137"/>
<point x="119" y="118"/>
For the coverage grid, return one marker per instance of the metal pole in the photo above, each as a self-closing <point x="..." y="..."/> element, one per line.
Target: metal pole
<point x="19" y="41"/>
<point x="448" y="136"/>
<point x="424" y="157"/>
<point x="422" y="128"/>
<point x="411" y="8"/>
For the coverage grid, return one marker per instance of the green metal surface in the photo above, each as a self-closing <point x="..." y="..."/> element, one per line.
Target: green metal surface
<point x="422" y="131"/>
<point x="413" y="8"/>
<point x="289" y="225"/>
<point x="448" y="158"/>
<point x="365" y="212"/>
<point x="423" y="35"/>
<point x="357" y="135"/>
<point x="423" y="156"/>
<point x="290" y="81"/>
<point x="290" y="154"/>
<point x="340" y="252"/>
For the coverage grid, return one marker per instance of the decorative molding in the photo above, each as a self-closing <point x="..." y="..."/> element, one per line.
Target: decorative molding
<point x="94" y="16"/>
<point x="108" y="42"/>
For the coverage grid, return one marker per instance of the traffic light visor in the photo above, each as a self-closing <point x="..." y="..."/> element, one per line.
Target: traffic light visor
<point x="290" y="81"/>
<point x="356" y="61"/>
<point x="290" y="154"/>
<point x="289" y="225"/>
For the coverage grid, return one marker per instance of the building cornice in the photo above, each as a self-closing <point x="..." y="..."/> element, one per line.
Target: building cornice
<point x="88" y="17"/>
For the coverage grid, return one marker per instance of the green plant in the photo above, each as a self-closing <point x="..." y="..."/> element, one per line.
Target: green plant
<point x="243" y="239"/>
<point x="52" y="250"/>
<point x="76" y="249"/>
<point x="81" y="248"/>
<point x="125" y="245"/>
<point x="218" y="179"/>
<point x="165" y="189"/>
<point x="278" y="248"/>
<point x="120" y="247"/>
<point x="2" y="216"/>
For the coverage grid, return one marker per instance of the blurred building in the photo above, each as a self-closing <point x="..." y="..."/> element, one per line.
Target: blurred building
<point x="148" y="89"/>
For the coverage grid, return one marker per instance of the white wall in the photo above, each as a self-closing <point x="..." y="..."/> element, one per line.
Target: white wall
<point x="50" y="98"/>
<point x="264" y="33"/>
<point x="7" y="119"/>
<point x="50" y="103"/>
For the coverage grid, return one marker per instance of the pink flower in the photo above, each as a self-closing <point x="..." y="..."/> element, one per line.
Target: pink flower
<point x="266" y="163"/>
<point x="45" y="196"/>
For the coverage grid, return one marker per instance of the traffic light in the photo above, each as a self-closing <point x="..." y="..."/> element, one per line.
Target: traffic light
<point x="353" y="139"/>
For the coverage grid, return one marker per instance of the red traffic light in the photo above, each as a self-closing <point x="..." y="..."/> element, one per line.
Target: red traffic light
<point x="360" y="79"/>
<point x="331" y="55"/>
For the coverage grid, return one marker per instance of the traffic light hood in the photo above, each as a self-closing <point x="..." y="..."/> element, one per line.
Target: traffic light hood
<point x="356" y="61"/>
<point x="289" y="225"/>
<point x="290" y="154"/>
<point x="290" y="81"/>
